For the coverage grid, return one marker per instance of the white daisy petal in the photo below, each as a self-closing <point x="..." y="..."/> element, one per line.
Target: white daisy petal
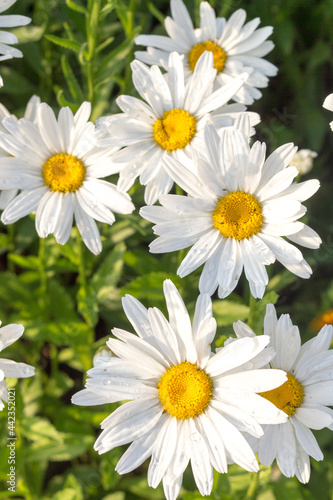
<point x="48" y="212"/>
<point x="303" y="468"/>
<point x="204" y="328"/>
<point x="307" y="439"/>
<point x="163" y="371"/>
<point x="10" y="21"/>
<point x="313" y="418"/>
<point x="268" y="445"/>
<point x="233" y="354"/>
<point x="286" y="451"/>
<point x="88" y="229"/>
<point x="180" y="322"/>
<point x="140" y="449"/>
<point x="200" y="463"/>
<point x="56" y="164"/>
<point x="25" y="203"/>
<point x="304" y="397"/>
<point x="162" y="455"/>
<point x="8" y="368"/>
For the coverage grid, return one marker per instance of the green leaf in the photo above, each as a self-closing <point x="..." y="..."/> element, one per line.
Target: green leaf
<point x="150" y="286"/>
<point x="87" y="306"/>
<point x="72" y="446"/>
<point x="108" y="274"/>
<point x="40" y="430"/>
<point x="63" y="42"/>
<point x="227" y="312"/>
<point x="77" y="8"/>
<point x="58" y="332"/>
<point x="25" y="262"/>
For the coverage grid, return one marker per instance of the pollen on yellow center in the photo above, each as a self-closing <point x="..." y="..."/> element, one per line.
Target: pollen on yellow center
<point x="288" y="397"/>
<point x="185" y="390"/>
<point x="63" y="172"/>
<point x="175" y="129"/>
<point x="238" y="215"/>
<point x="219" y="54"/>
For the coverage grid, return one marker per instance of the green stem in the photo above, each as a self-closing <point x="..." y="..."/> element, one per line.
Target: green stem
<point x="92" y="19"/>
<point x="82" y="267"/>
<point x="42" y="273"/>
<point x="251" y="493"/>
<point x="11" y="246"/>
<point x="252" y="314"/>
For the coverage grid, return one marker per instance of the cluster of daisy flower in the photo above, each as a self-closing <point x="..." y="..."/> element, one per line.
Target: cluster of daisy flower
<point x="257" y="394"/>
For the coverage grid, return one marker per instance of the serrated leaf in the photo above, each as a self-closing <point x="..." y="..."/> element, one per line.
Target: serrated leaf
<point x="63" y="42"/>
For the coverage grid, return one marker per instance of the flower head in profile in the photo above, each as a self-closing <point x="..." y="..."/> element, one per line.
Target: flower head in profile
<point x="8" y="368"/>
<point x="170" y="122"/>
<point x="328" y="104"/>
<point x="305" y="396"/>
<point x="239" y="209"/>
<point x="58" y="165"/>
<point x="186" y="403"/>
<point x="236" y="47"/>
<point x="7" y="195"/>
<point x="7" y="39"/>
<point x="303" y="160"/>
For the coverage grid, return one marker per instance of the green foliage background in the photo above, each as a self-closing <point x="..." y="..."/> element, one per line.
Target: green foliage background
<point x="69" y="299"/>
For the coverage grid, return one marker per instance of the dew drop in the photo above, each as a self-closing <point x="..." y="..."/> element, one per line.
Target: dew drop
<point x="106" y="381"/>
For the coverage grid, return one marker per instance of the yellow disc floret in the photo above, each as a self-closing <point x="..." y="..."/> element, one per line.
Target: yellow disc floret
<point x="63" y="172"/>
<point x="288" y="397"/>
<point x="175" y="129"/>
<point x="219" y="54"/>
<point x="185" y="390"/>
<point x="238" y="215"/>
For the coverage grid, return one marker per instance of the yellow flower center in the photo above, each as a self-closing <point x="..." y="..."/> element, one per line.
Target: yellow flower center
<point x="288" y="397"/>
<point x="175" y="129"/>
<point x="63" y="172"/>
<point x="185" y="390"/>
<point x="238" y="215"/>
<point x="219" y="54"/>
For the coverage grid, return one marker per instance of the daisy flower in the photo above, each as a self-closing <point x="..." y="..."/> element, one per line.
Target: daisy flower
<point x="58" y="167"/>
<point x="187" y="404"/>
<point x="304" y="397"/>
<point x="240" y="207"/>
<point x="236" y="47"/>
<point x="170" y="122"/>
<point x="328" y="104"/>
<point x="10" y="21"/>
<point x="303" y="160"/>
<point x="8" y="368"/>
<point x="7" y="195"/>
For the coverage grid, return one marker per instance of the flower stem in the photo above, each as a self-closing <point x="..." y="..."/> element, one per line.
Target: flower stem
<point x="252" y="313"/>
<point x="251" y="493"/>
<point x="92" y="19"/>
<point x="81" y="266"/>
